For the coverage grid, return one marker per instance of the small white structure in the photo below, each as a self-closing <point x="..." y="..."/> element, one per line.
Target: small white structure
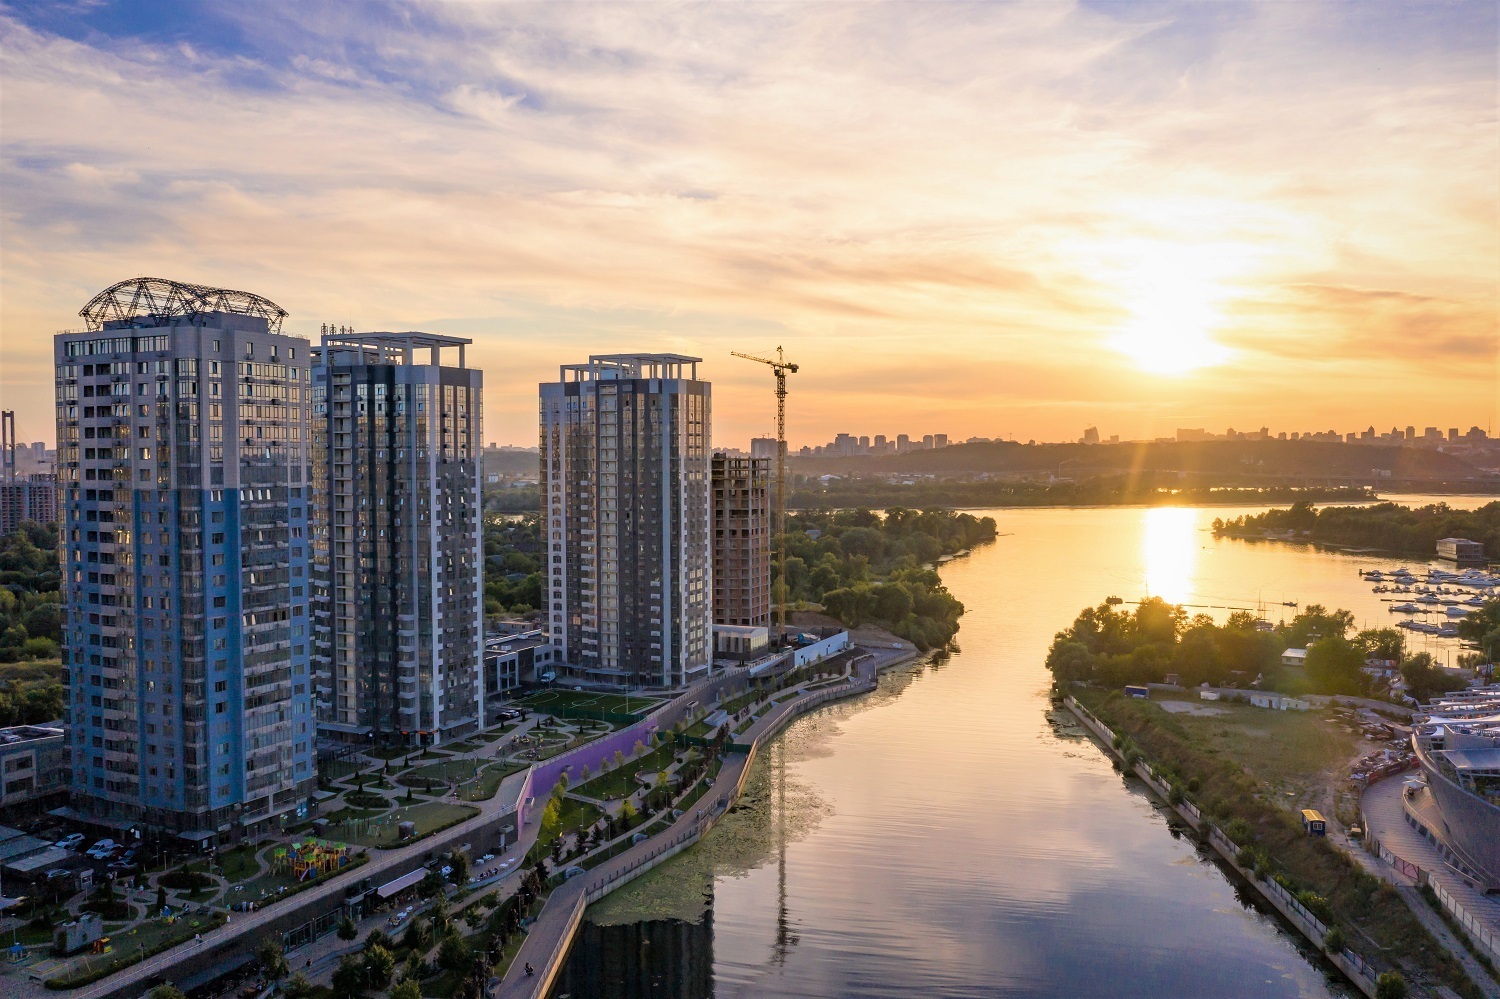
<point x="1208" y="695"/>
<point x="1278" y="702"/>
<point x="740" y="639"/>
<point x="1294" y="657"/>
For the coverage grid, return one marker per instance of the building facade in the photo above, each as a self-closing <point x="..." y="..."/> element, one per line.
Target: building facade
<point x="742" y="541"/>
<point x="183" y="467"/>
<point x="399" y="586"/>
<point x="34" y="498"/>
<point x="625" y="465"/>
<point x="33" y="764"/>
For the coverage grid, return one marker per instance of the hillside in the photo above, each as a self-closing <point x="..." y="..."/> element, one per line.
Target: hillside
<point x="1221" y="462"/>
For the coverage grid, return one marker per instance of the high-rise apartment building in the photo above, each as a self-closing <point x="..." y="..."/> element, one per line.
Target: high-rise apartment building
<point x="742" y="541"/>
<point x="625" y="466"/>
<point x="183" y="466"/>
<point x="399" y="586"/>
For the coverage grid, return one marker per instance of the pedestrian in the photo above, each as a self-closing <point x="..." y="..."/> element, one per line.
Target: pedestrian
<point x="198" y="938"/>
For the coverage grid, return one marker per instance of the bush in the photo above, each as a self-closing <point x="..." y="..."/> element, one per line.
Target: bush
<point x="1334" y="943"/>
<point x="1390" y="985"/>
<point x="1239" y="832"/>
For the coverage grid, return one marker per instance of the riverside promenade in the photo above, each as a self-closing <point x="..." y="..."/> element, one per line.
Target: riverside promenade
<point x="547" y="941"/>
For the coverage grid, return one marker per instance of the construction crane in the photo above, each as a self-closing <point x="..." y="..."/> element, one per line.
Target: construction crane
<point x="782" y="367"/>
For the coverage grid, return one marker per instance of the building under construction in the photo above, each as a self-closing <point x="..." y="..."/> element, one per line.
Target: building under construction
<point x="742" y="541"/>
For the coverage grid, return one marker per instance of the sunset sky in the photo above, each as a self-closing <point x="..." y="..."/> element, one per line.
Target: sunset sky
<point x="994" y="220"/>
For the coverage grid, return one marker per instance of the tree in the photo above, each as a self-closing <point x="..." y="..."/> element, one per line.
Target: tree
<point x="380" y="964"/>
<point x="415" y="967"/>
<point x="161" y="897"/>
<point x="349" y="977"/>
<point x="1070" y="660"/>
<point x="431" y="885"/>
<point x="1391" y="985"/>
<point x="1426" y="680"/>
<point x="272" y="958"/>
<point x="453" y="953"/>
<point x="1382" y="643"/>
<point x="407" y="989"/>
<point x="418" y="936"/>
<point x="347" y="929"/>
<point x="1334" y="665"/>
<point x="459" y="861"/>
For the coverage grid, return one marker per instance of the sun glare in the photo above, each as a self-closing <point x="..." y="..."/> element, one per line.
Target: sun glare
<point x="1174" y="296"/>
<point x="1170" y="545"/>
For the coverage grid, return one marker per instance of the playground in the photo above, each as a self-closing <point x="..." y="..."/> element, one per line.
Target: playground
<point x="619" y="704"/>
<point x="308" y="859"/>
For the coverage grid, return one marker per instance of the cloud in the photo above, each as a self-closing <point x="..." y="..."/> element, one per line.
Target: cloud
<point x="867" y="184"/>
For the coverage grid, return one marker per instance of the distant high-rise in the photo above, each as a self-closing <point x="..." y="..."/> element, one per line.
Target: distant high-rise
<point x="625" y="462"/>
<point x="763" y="447"/>
<point x="742" y="541"/>
<point x="399" y="587"/>
<point x="183" y="462"/>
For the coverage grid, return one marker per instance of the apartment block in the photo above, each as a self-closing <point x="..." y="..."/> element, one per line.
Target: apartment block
<point x="399" y="559"/>
<point x="625" y="464"/>
<point x="183" y="467"/>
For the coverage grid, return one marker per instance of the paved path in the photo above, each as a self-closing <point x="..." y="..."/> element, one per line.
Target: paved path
<point x="1382" y="807"/>
<point x="548" y="938"/>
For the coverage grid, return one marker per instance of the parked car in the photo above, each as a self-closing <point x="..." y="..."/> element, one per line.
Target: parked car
<point x="71" y="842"/>
<point x="102" y="849"/>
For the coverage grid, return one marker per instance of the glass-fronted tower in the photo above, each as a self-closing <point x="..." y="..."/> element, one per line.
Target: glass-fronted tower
<point x="399" y="599"/>
<point x="625" y="471"/>
<point x="182" y="468"/>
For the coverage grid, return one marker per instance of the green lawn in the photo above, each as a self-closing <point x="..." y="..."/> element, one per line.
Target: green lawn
<point x="621" y="781"/>
<point x="429" y="816"/>
<point x="547" y="700"/>
<point x="488" y="782"/>
<point x="237" y="863"/>
<point x="1290" y="750"/>
<point x="440" y="773"/>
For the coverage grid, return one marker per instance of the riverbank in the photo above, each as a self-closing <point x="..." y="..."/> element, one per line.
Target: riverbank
<point x="545" y="948"/>
<point x="1263" y="840"/>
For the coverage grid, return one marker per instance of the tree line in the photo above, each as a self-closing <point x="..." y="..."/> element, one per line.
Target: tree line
<point x="31" y="689"/>
<point x="1112" y="645"/>
<point x="1104" y="490"/>
<point x="864" y="567"/>
<point x="1388" y="526"/>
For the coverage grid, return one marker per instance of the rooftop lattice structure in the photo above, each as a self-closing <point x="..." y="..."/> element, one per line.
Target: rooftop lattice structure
<point x="144" y="297"/>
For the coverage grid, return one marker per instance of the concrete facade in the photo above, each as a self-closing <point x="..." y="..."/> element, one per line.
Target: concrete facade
<point x="183" y="468"/>
<point x="625" y="462"/>
<point x="396" y="530"/>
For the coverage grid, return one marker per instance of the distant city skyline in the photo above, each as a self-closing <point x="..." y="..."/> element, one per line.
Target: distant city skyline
<point x="1132" y="216"/>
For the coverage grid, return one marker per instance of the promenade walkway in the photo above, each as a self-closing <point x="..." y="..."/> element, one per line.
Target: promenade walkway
<point x="548" y="938"/>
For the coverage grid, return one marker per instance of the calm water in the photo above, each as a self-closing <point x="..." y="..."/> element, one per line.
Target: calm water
<point x="938" y="838"/>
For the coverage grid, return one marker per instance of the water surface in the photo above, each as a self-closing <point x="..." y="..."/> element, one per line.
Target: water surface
<point x="939" y="838"/>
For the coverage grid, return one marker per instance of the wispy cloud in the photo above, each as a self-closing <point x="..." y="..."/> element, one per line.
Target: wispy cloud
<point x="941" y="209"/>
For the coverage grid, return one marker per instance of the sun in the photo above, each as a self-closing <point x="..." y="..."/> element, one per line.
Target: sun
<point x="1174" y="298"/>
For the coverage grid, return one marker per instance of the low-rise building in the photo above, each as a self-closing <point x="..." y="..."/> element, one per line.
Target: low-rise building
<point x="33" y="763"/>
<point x="1294" y="657"/>
<point x="1460" y="550"/>
<point x="510" y="660"/>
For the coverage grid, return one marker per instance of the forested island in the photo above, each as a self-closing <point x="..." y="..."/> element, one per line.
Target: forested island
<point x="1111" y="645"/>
<point x="863" y="567"/>
<point x="1144" y="490"/>
<point x="1386" y="526"/>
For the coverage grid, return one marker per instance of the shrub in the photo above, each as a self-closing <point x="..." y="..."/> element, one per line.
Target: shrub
<point x="1334" y="941"/>
<point x="1390" y="985"/>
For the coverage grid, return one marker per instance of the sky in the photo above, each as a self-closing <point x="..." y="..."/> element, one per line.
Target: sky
<point x="995" y="220"/>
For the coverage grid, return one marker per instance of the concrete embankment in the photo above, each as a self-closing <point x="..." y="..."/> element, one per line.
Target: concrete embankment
<point x="546" y="946"/>
<point x="1354" y="967"/>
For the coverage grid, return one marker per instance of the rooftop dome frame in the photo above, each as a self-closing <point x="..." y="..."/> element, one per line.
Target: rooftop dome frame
<point x="161" y="297"/>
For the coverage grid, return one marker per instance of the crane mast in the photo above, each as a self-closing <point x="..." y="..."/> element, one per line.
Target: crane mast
<point x="781" y="367"/>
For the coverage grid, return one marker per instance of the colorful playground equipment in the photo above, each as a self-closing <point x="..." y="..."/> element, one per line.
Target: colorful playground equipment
<point x="310" y="858"/>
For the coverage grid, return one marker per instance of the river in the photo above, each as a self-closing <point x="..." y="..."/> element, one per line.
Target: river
<point x="938" y="837"/>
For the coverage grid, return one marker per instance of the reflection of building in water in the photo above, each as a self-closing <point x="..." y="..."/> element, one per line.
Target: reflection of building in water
<point x="656" y="959"/>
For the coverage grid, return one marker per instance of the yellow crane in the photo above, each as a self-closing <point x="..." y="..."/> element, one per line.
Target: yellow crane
<point x="782" y="367"/>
